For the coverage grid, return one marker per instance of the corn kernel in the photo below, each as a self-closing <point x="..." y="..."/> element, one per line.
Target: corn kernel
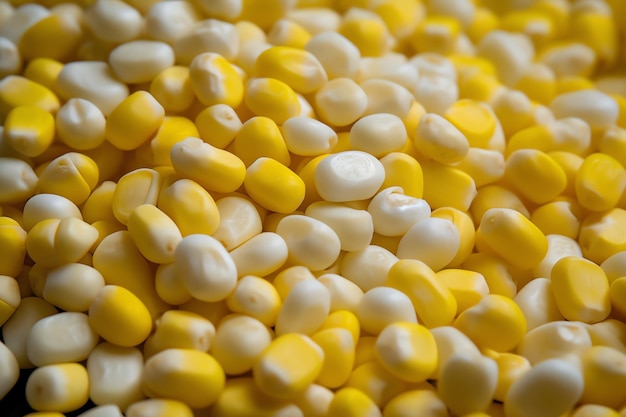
<point x="308" y="137"/>
<point x="377" y="383"/>
<point x="155" y="234"/>
<point x="62" y="387"/>
<point x="513" y="237"/>
<point x="351" y="402"/>
<point x="274" y="186"/>
<point x="12" y="247"/>
<point x="338" y="346"/>
<point x="434" y="241"/>
<point x="510" y="367"/>
<point x="603" y="366"/>
<point x="17" y="91"/>
<point x="288" y="33"/>
<point x="338" y="55"/>
<point x="29" y="130"/>
<point x="368" y="268"/>
<point x="271" y="98"/>
<point x="599" y="182"/>
<point x="394" y="213"/>
<point x="382" y="306"/>
<point x="459" y="187"/>
<point x="535" y="175"/>
<point x="207" y="270"/>
<point x="581" y="290"/>
<point x="239" y="221"/>
<point x="553" y="386"/>
<point x="281" y="374"/>
<point x="213" y="168"/>
<point x="601" y="235"/>
<point x="368" y="33"/>
<point x="218" y="125"/>
<point x="467" y="287"/>
<point x="189" y="376"/>
<point x="353" y="227"/>
<point x="119" y="317"/>
<point x="172" y="88"/>
<point x="215" y="81"/>
<point x="159" y="408"/>
<point x="437" y="34"/>
<point x="387" y="97"/>
<point x="72" y="175"/>
<point x="407" y="350"/>
<point x="10" y="298"/>
<point x="467" y="383"/>
<point x="510" y="53"/>
<point x="73" y="286"/>
<point x="421" y="401"/>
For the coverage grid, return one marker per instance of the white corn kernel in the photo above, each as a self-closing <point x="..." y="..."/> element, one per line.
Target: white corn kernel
<point x="338" y="56"/>
<point x="394" y="213"/>
<point x="382" y="306"/>
<point x="210" y="35"/>
<point x="62" y="386"/>
<point x="167" y="21"/>
<point x="367" y="268"/>
<point x="72" y="287"/>
<point x="311" y="242"/>
<point x="80" y="124"/>
<point x="17" y="180"/>
<point x="207" y="270"/>
<point x="344" y="294"/>
<point x="354" y="227"/>
<point x="308" y="137"/>
<point x="565" y="340"/>
<point x="239" y="221"/>
<point x="62" y="337"/>
<point x="114" y="21"/>
<point x="9" y="370"/>
<point x="48" y="206"/>
<point x="433" y="241"/>
<point x="305" y="308"/>
<point x="387" y="97"/>
<point x="261" y="255"/>
<point x="599" y="110"/>
<point x="140" y="61"/>
<point x="378" y="134"/>
<point x="340" y="101"/>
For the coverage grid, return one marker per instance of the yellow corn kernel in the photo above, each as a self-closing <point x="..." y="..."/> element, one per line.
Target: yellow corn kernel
<point x="467" y="383"/>
<point x="16" y="90"/>
<point x="570" y="162"/>
<point x="351" y="402"/>
<point x="535" y="175"/>
<point x="274" y="186"/>
<point x="479" y="86"/>
<point x="365" y="350"/>
<point x="10" y="298"/>
<point x="495" y="272"/>
<point x="297" y="68"/>
<point x="581" y="290"/>
<point x="402" y="170"/>
<point x="467" y="287"/>
<point x="609" y="333"/>
<point x="99" y="205"/>
<point x="63" y="387"/>
<point x="213" y="168"/>
<point x="495" y="322"/>
<point x="433" y="302"/>
<point x="599" y="182"/>
<point x="338" y="346"/>
<point x="513" y="237"/>
<point x="572" y="84"/>
<point x="177" y="329"/>
<point x="342" y="319"/>
<point x="377" y="383"/>
<point x="169" y="286"/>
<point x="72" y="175"/>
<point x="157" y="150"/>
<point x="535" y="24"/>
<point x="12" y="247"/>
<point x="613" y="143"/>
<point x="158" y="408"/>
<point x="603" y="367"/>
<point x="593" y="410"/>
<point x="400" y="16"/>
<point x="596" y="30"/>
<point x="190" y="206"/>
<point x="474" y="120"/>
<point x="616" y="293"/>
<point x="408" y="351"/>
<point x="154" y="232"/>
<point x="55" y="36"/>
<point x="214" y="80"/>
<point x="134" y="121"/>
<point x="120" y="263"/>
<point x="288" y="33"/>
<point x="422" y="402"/>
<point x="510" y="367"/>
<point x="271" y="98"/>
<point x="485" y="20"/>
<point x="561" y="217"/>
<point x="29" y="130"/>
<point x="119" y="317"/>
<point x="172" y="89"/>
<point x="260" y="137"/>
<point x="538" y="83"/>
<point x="189" y="376"/>
<point x="53" y="242"/>
<point x="218" y="125"/>
<point x="370" y="35"/>
<point x="447" y="186"/>
<point x="288" y="366"/>
<point x="602" y="234"/>
<point x="241" y="397"/>
<point x="43" y="71"/>
<point x="436" y="34"/>
<point x="141" y="186"/>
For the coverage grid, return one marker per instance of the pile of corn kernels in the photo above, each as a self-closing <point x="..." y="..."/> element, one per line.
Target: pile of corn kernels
<point x="308" y="208"/>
